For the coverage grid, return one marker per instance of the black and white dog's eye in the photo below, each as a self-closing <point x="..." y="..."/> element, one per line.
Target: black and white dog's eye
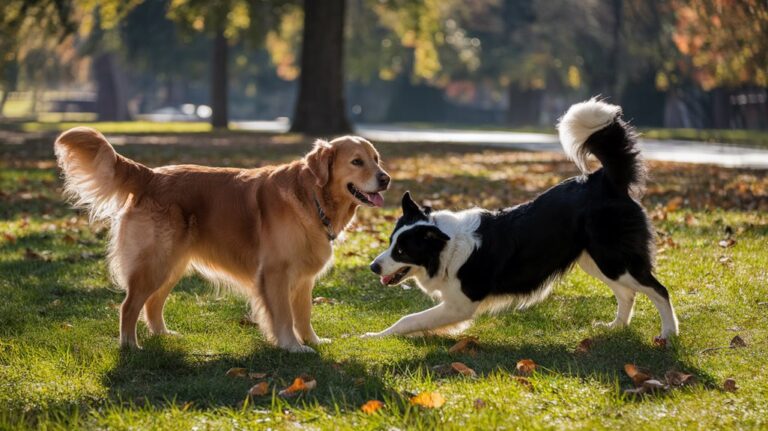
<point x="399" y="251"/>
<point x="357" y="162"/>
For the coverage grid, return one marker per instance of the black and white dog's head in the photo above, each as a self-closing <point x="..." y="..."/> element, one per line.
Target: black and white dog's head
<point x="414" y="246"/>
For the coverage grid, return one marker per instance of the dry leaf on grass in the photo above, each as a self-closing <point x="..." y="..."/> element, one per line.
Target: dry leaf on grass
<point x="237" y="372"/>
<point x="468" y="345"/>
<point x="654" y="385"/>
<point x="372" y="407"/>
<point x="659" y="342"/>
<point x="11" y="238"/>
<point x="525" y="367"/>
<point x="729" y="385"/>
<point x="730" y="242"/>
<point x="430" y="400"/>
<point x="463" y="369"/>
<point x="479" y="404"/>
<point x="585" y="346"/>
<point x="259" y="389"/>
<point x="300" y="384"/>
<point x="522" y="381"/>
<point x="737" y="342"/>
<point x="257" y="376"/>
<point x="676" y="378"/>
<point x="637" y="374"/>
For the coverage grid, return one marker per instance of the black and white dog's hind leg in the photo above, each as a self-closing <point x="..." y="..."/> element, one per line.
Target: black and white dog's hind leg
<point x="452" y="312"/>
<point x="625" y="287"/>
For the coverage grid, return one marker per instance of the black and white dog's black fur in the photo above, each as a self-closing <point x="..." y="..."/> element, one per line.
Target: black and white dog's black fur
<point x="477" y="260"/>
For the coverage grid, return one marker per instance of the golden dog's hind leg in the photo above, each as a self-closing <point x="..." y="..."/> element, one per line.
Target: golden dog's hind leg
<point x="302" y="311"/>
<point x="153" y="307"/>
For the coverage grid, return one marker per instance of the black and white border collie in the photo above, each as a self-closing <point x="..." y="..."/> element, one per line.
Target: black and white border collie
<point x="477" y="261"/>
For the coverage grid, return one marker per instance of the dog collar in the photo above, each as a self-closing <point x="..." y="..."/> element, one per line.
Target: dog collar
<point x="325" y="221"/>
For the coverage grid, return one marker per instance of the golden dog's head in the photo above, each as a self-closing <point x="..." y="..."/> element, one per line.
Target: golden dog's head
<point x="349" y="167"/>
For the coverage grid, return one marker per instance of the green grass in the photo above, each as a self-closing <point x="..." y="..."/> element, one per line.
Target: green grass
<point x="121" y="126"/>
<point x="60" y="367"/>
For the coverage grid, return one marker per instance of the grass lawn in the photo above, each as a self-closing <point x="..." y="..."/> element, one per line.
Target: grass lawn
<point x="60" y="366"/>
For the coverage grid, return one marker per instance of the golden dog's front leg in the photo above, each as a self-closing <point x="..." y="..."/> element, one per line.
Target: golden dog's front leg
<point x="302" y="312"/>
<point x="276" y="286"/>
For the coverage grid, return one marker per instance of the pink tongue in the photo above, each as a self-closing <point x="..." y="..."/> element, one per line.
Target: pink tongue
<point x="376" y="199"/>
<point x="385" y="279"/>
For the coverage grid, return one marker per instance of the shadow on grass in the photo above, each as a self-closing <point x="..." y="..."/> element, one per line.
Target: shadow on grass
<point x="162" y="372"/>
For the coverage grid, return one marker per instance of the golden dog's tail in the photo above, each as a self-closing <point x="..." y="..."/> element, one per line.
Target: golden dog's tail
<point x="95" y="176"/>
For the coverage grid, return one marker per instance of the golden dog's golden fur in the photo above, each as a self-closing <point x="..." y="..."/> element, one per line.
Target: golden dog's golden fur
<point x="259" y="229"/>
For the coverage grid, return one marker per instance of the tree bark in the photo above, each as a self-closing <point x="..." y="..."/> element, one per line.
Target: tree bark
<point x="219" y="80"/>
<point x="321" y="106"/>
<point x="617" y="9"/>
<point x="111" y="98"/>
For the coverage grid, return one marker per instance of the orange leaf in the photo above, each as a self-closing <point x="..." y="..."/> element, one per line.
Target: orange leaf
<point x="674" y="204"/>
<point x="428" y="400"/>
<point x="526" y="367"/>
<point x="638" y="375"/>
<point x="237" y="372"/>
<point x="463" y="369"/>
<point x="299" y="385"/>
<point x="465" y="345"/>
<point x="259" y="390"/>
<point x="372" y="407"/>
<point x="660" y="342"/>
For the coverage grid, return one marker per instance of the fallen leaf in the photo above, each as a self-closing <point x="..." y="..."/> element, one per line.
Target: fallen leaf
<point x="660" y="342"/>
<point x="524" y="382"/>
<point x="737" y="342"/>
<point x="637" y="374"/>
<point x="11" y="238"/>
<point x="69" y="239"/>
<point x="259" y="389"/>
<point x="690" y="220"/>
<point x="479" y="404"/>
<point x="724" y="259"/>
<point x="466" y="345"/>
<point x="428" y="400"/>
<point x="585" y="346"/>
<point x="676" y="378"/>
<point x="372" y="407"/>
<point x="256" y="376"/>
<point x="674" y="204"/>
<point x="729" y="385"/>
<point x="237" y="372"/>
<point x="67" y="326"/>
<point x="730" y="242"/>
<point x="463" y="369"/>
<point x="299" y="385"/>
<point x="360" y="381"/>
<point x="525" y="367"/>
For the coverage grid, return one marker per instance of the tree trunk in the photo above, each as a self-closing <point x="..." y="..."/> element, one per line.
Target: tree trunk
<point x="321" y="108"/>
<point x="617" y="8"/>
<point x="524" y="106"/>
<point x="219" y="87"/>
<point x="111" y="100"/>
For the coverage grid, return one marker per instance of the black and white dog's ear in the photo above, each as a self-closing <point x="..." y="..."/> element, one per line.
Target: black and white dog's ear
<point x="411" y="209"/>
<point x="434" y="233"/>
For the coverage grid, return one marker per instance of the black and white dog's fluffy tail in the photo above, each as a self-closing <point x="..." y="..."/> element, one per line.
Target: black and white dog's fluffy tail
<point x="595" y="127"/>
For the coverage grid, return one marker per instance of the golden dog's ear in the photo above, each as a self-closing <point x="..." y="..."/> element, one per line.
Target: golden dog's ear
<point x="319" y="161"/>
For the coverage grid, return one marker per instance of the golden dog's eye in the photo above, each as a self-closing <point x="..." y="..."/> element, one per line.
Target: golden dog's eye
<point x="357" y="162"/>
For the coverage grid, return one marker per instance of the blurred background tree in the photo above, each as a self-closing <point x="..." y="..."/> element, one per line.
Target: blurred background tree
<point x="329" y="64"/>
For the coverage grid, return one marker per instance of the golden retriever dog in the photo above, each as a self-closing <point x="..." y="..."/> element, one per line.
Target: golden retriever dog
<point x="267" y="231"/>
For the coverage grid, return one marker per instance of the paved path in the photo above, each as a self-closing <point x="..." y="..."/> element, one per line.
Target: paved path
<point x="664" y="150"/>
